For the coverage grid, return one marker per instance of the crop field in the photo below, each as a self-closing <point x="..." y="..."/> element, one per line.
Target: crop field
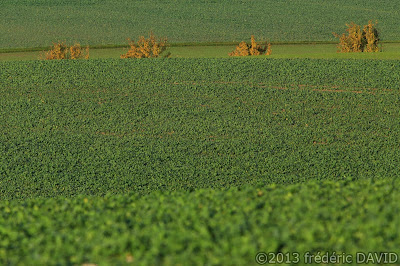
<point x="167" y="160"/>
<point x="33" y="23"/>
<point x="199" y="158"/>
<point x="111" y="126"/>
<point x="205" y="226"/>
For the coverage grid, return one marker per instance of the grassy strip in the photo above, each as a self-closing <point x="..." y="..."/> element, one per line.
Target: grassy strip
<point x="183" y="44"/>
<point x="205" y="226"/>
<point x="390" y="51"/>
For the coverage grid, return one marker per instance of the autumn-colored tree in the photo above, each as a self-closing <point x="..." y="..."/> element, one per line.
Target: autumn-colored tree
<point x="146" y="48"/>
<point x="371" y="37"/>
<point x="357" y="40"/>
<point x="269" y="49"/>
<point x="244" y="49"/>
<point x="255" y="48"/>
<point x="345" y="45"/>
<point x="241" y="50"/>
<point x="61" y="51"/>
<point x="77" y="52"/>
<point x="356" y="37"/>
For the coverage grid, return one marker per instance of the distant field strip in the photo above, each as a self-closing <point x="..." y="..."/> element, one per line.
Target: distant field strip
<point x="112" y="126"/>
<point x="38" y="23"/>
<point x="279" y="51"/>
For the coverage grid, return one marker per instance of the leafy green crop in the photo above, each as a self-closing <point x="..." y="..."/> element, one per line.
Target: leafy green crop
<point x="197" y="161"/>
<point x="113" y="126"/>
<point x="32" y="23"/>
<point x="203" y="227"/>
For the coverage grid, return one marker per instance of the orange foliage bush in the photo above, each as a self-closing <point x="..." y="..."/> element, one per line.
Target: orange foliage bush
<point x="244" y="49"/>
<point x="241" y="50"/>
<point x="357" y="39"/>
<point x="269" y="49"/>
<point x="146" y="48"/>
<point x="76" y="52"/>
<point x="371" y="37"/>
<point x="61" y="51"/>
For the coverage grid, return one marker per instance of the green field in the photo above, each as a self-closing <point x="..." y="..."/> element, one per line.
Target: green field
<point x="197" y="159"/>
<point x="205" y="226"/>
<point x="32" y="23"/>
<point x="99" y="126"/>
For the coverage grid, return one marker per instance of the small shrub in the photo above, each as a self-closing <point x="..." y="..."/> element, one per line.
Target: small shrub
<point x="146" y="48"/>
<point x="77" y="52"/>
<point x="241" y="50"/>
<point x="244" y="49"/>
<point x="371" y="37"/>
<point x="255" y="48"/>
<point x="61" y="51"/>
<point x="357" y="40"/>
<point x="269" y="49"/>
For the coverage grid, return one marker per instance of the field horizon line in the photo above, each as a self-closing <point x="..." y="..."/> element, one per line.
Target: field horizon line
<point x="176" y="44"/>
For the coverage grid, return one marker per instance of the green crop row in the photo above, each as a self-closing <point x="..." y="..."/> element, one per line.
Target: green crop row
<point x="116" y="126"/>
<point x="204" y="227"/>
<point x="251" y="72"/>
<point x="38" y="23"/>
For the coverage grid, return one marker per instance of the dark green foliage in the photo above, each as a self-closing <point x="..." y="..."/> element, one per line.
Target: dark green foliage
<point x="113" y="126"/>
<point x="204" y="227"/>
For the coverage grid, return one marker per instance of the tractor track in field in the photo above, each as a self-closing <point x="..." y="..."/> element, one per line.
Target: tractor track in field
<point x="316" y="88"/>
